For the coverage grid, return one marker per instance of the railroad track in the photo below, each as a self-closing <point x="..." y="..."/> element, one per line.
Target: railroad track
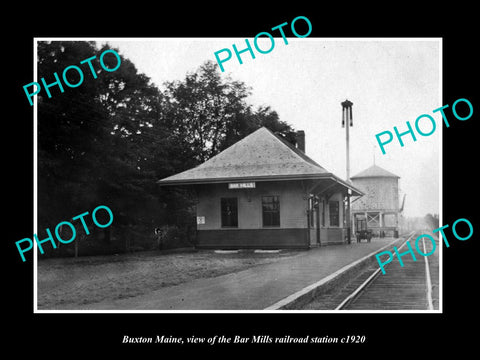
<point x="402" y="288"/>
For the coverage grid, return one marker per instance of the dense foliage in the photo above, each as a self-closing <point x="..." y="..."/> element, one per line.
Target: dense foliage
<point x="108" y="141"/>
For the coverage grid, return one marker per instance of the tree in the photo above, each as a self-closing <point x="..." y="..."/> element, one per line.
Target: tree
<point x="69" y="124"/>
<point x="253" y="120"/>
<point x="432" y="221"/>
<point x="93" y="139"/>
<point x="207" y="112"/>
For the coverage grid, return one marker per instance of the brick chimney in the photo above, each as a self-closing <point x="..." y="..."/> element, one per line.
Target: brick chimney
<point x="300" y="139"/>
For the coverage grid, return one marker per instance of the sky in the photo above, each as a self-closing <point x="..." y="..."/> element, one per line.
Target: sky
<point x="389" y="81"/>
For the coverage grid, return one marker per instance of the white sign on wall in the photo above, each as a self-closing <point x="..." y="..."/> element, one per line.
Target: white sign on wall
<point x="244" y="185"/>
<point x="200" y="220"/>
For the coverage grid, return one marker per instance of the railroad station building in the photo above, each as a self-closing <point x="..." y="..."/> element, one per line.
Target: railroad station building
<point x="264" y="192"/>
<point x="379" y="209"/>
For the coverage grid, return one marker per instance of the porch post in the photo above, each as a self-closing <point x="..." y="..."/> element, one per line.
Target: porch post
<point x="349" y="237"/>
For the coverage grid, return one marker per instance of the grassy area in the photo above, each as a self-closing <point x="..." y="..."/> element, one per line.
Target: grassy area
<point x="66" y="282"/>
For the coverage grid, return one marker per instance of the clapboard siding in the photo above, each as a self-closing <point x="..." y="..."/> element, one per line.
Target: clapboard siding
<point x="292" y="204"/>
<point x="252" y="238"/>
<point x="380" y="194"/>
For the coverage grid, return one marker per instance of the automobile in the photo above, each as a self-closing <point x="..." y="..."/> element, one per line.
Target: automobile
<point x="362" y="233"/>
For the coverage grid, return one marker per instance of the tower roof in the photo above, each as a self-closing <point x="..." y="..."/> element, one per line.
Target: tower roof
<point x="374" y="171"/>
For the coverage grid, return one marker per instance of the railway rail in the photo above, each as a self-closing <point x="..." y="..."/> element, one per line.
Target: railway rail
<point x="401" y="288"/>
<point x="415" y="286"/>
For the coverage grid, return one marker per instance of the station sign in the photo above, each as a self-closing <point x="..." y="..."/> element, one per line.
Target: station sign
<point x="242" y="185"/>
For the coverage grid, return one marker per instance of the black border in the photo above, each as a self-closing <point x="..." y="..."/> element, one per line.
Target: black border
<point x="87" y="334"/>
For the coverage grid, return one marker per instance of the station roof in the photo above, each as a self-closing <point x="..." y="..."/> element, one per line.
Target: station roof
<point x="260" y="156"/>
<point x="374" y="171"/>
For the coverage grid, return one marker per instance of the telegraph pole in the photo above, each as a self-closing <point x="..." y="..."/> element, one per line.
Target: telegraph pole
<point x="347" y="121"/>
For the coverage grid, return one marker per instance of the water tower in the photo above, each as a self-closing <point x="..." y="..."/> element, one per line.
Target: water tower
<point x="379" y="208"/>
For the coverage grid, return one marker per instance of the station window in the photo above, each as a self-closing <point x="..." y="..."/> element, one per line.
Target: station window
<point x="229" y="208"/>
<point x="334" y="212"/>
<point x="271" y="210"/>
